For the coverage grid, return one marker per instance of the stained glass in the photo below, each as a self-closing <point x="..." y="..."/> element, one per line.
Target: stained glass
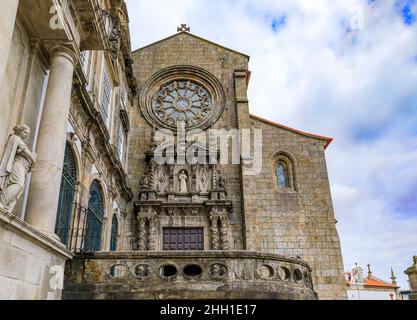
<point x="282" y="176"/>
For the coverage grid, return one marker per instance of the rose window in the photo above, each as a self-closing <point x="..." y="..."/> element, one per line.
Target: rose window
<point x="182" y="101"/>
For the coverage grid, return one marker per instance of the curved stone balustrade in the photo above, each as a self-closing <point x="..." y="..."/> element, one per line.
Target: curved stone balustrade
<point x="188" y="275"/>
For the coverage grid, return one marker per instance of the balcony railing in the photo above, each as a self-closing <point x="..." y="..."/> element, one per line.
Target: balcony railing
<point x="188" y="275"/>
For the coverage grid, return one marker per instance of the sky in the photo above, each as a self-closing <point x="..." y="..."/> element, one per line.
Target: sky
<point x="345" y="69"/>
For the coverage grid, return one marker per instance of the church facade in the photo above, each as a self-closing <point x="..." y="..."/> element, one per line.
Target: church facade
<point x="151" y="178"/>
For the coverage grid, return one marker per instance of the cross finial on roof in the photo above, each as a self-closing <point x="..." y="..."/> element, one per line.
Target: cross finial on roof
<point x="183" y="28"/>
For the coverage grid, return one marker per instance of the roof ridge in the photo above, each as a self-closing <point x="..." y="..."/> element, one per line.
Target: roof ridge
<point x="311" y="135"/>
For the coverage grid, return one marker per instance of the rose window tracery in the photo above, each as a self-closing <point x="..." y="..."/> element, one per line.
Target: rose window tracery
<point x="182" y="100"/>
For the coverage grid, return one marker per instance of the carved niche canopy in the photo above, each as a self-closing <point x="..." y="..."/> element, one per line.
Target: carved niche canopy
<point x="182" y="94"/>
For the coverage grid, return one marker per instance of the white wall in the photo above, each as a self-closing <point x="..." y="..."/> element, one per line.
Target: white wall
<point x="369" y="295"/>
<point x="31" y="265"/>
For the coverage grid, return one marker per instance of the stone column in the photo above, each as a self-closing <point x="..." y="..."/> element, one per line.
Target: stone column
<point x="8" y="12"/>
<point x="46" y="179"/>
<point x="224" y="226"/>
<point x="152" y="234"/>
<point x="142" y="233"/>
<point x="214" y="230"/>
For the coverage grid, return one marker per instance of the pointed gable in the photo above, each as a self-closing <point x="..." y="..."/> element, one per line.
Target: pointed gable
<point x="187" y="34"/>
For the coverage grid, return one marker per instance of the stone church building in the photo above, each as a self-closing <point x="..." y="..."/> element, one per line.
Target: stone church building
<point x="88" y="211"/>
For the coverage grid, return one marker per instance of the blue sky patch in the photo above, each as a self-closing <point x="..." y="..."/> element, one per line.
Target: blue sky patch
<point x="408" y="12"/>
<point x="278" y="23"/>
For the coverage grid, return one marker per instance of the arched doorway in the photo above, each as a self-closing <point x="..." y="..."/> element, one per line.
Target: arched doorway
<point x="66" y="197"/>
<point x="94" y="219"/>
<point x="114" y="233"/>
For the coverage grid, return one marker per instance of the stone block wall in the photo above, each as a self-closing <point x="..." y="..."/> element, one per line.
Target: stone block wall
<point x="300" y="221"/>
<point x="31" y="264"/>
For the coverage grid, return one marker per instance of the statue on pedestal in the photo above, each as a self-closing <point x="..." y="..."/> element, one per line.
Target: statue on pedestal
<point x="16" y="162"/>
<point x="182" y="179"/>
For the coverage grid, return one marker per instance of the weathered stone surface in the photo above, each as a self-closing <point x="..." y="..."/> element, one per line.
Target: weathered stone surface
<point x="32" y="265"/>
<point x="296" y="221"/>
<point x="197" y="275"/>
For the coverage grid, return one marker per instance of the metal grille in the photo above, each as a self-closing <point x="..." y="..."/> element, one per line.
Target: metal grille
<point x="176" y="239"/>
<point x="94" y="224"/>
<point x="114" y="233"/>
<point x="66" y="197"/>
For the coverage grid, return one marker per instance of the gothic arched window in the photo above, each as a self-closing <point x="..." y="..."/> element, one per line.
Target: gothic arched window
<point x="284" y="171"/>
<point x="95" y="217"/>
<point x="114" y="233"/>
<point x="66" y="197"/>
<point x="282" y="175"/>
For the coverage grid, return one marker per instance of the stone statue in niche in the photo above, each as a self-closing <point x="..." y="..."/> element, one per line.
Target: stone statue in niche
<point x="182" y="180"/>
<point x="17" y="161"/>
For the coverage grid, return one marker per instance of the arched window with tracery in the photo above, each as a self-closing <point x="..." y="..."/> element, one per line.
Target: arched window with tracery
<point x="114" y="233"/>
<point x="94" y="219"/>
<point x="284" y="172"/>
<point x="66" y="197"/>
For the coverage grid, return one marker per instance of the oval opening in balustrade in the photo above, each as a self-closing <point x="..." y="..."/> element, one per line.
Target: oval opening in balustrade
<point x="284" y="274"/>
<point x="298" y="275"/>
<point x="118" y="271"/>
<point x="168" y="271"/>
<point x="193" y="271"/>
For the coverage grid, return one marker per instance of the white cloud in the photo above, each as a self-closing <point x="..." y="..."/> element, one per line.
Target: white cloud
<point x="358" y="87"/>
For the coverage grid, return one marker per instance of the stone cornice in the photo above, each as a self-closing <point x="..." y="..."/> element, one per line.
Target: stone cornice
<point x="21" y="227"/>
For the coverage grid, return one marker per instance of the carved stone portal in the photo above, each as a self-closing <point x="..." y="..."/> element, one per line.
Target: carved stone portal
<point x="177" y="194"/>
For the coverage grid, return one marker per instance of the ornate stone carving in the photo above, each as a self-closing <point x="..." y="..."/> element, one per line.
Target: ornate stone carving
<point x="214" y="230"/>
<point x="217" y="270"/>
<point x="203" y="182"/>
<point x="143" y="271"/>
<point x="152" y="234"/>
<point x="142" y="233"/>
<point x="16" y="162"/>
<point x="264" y="272"/>
<point x="222" y="182"/>
<point x="144" y="183"/>
<point x="182" y="100"/>
<point x="224" y="226"/>
<point x="219" y="229"/>
<point x="161" y="179"/>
